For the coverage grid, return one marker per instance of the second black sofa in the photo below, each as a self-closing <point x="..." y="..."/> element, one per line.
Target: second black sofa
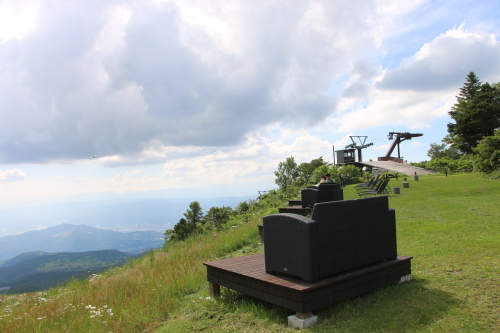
<point x="342" y="235"/>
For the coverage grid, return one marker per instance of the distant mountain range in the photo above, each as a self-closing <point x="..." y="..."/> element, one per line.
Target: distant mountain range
<point x="126" y="214"/>
<point x="78" y="238"/>
<point x="40" y="270"/>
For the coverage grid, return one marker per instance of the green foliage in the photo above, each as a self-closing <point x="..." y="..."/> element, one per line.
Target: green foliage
<point x="443" y="151"/>
<point x="338" y="173"/>
<point x="319" y="171"/>
<point x="194" y="214"/>
<point x="487" y="153"/>
<point x="191" y="223"/>
<point x="195" y="223"/>
<point x="465" y="162"/>
<point x="350" y="172"/>
<point x="242" y="207"/>
<point x="219" y="216"/>
<point x="271" y="200"/>
<point x="441" y="163"/>
<point x="422" y="164"/>
<point x="476" y="114"/>
<point x="306" y="170"/>
<point x="287" y="173"/>
<point x="181" y="231"/>
<point x="291" y="178"/>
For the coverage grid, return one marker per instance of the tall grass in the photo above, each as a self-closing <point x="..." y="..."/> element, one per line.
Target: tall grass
<point x="448" y="224"/>
<point x="130" y="298"/>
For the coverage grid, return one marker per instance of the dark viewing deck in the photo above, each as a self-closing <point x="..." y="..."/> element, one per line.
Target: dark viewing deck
<point x="247" y="275"/>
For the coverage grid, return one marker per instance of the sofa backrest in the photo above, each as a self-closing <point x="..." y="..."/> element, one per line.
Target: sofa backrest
<point x="323" y="193"/>
<point x="337" y="239"/>
<point x="330" y="192"/>
<point x="354" y="233"/>
<point x="376" y="230"/>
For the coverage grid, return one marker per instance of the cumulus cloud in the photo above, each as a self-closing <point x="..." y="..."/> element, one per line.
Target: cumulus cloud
<point x="423" y="87"/>
<point x="444" y="62"/>
<point x="123" y="78"/>
<point x="255" y="159"/>
<point x="13" y="175"/>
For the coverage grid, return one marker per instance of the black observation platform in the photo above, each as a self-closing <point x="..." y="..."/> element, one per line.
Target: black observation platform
<point x="248" y="275"/>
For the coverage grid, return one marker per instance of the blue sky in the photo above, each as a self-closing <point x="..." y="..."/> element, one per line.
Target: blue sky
<point x="186" y="93"/>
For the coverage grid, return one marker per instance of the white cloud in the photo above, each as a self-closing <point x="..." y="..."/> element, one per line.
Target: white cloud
<point x="417" y="144"/>
<point x="122" y="79"/>
<point x="254" y="159"/>
<point x="12" y="175"/>
<point x="424" y="87"/>
<point x="444" y="62"/>
<point x="17" y="19"/>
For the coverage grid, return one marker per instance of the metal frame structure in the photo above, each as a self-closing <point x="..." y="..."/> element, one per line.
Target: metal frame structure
<point x="400" y="137"/>
<point x="346" y="156"/>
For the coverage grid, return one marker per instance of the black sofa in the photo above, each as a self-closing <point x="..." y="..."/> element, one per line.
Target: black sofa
<point x="325" y="192"/>
<point x="341" y="236"/>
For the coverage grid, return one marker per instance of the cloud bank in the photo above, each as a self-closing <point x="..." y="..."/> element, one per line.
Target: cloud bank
<point x="127" y="78"/>
<point x="190" y="82"/>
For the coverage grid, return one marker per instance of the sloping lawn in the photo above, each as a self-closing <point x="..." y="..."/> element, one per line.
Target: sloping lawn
<point x="450" y="225"/>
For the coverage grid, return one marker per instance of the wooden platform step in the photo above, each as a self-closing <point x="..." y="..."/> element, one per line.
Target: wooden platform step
<point x="296" y="210"/>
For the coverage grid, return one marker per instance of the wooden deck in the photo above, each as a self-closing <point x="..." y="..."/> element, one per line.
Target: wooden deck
<point x="247" y="275"/>
<point x="296" y="210"/>
<point x="295" y="207"/>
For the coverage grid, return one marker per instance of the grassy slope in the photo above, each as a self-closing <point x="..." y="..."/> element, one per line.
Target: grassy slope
<point x="449" y="225"/>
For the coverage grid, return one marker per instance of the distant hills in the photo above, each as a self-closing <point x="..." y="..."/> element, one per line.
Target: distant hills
<point x="125" y="214"/>
<point x="39" y="270"/>
<point x="78" y="238"/>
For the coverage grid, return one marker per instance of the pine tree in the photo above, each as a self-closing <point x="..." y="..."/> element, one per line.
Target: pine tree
<point x="476" y="114"/>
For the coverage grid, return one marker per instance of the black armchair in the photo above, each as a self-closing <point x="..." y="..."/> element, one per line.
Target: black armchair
<point x="325" y="192"/>
<point x="342" y="235"/>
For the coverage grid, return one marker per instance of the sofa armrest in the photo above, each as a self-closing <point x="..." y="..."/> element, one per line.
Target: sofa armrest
<point x="309" y="197"/>
<point x="291" y="246"/>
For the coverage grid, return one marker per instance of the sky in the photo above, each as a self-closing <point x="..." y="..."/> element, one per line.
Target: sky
<point x="124" y="96"/>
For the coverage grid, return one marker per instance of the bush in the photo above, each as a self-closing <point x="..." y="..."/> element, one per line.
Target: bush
<point x="422" y="164"/>
<point x="351" y="172"/>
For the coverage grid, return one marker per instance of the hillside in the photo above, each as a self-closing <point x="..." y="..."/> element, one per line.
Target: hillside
<point x="78" y="238"/>
<point x="448" y="224"/>
<point x="41" y="270"/>
<point x="22" y="257"/>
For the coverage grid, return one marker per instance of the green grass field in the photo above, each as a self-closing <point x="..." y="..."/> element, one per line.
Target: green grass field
<point x="450" y="225"/>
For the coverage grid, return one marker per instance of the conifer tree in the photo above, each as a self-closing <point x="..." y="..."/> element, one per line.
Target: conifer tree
<point x="476" y="114"/>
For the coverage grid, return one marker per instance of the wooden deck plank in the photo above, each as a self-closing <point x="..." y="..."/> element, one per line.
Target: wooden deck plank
<point x="255" y="268"/>
<point x="247" y="275"/>
<point x="296" y="210"/>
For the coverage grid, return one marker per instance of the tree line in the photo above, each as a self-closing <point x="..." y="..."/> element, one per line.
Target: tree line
<point x="291" y="175"/>
<point x="197" y="222"/>
<point x="473" y="139"/>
